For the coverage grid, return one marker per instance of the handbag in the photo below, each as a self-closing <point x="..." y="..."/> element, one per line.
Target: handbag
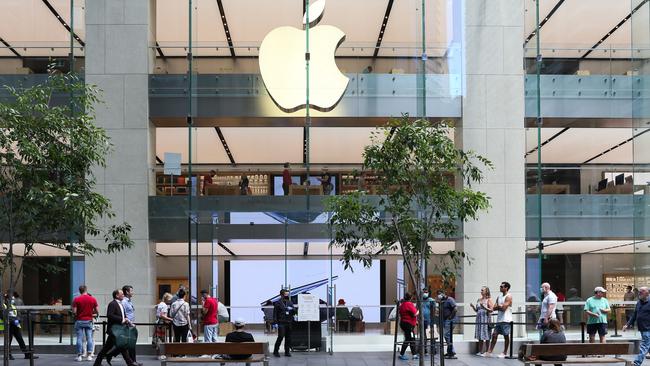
<point x="125" y="336"/>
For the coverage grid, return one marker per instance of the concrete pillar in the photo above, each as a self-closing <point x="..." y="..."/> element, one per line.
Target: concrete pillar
<point x="493" y="125"/>
<point x="119" y="58"/>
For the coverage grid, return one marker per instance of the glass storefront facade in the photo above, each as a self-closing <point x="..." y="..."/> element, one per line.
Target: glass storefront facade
<point x="212" y="106"/>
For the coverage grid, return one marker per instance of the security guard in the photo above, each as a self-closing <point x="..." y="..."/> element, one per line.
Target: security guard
<point x="14" y="328"/>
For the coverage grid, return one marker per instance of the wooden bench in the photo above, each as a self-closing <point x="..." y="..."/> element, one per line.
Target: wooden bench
<point x="613" y="350"/>
<point x="193" y="351"/>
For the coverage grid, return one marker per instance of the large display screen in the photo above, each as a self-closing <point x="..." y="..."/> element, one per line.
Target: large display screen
<point x="254" y="281"/>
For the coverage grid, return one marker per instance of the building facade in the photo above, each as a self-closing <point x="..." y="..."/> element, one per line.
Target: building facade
<point x="554" y="94"/>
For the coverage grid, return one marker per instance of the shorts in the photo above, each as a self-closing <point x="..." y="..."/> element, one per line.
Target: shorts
<point x="502" y="328"/>
<point x="601" y="328"/>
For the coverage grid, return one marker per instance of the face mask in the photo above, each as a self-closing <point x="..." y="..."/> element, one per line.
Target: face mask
<point x="425" y="295"/>
<point x="541" y="290"/>
<point x="441" y="297"/>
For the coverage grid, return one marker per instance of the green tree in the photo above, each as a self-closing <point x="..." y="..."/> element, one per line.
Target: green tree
<point x="425" y="187"/>
<point x="48" y="147"/>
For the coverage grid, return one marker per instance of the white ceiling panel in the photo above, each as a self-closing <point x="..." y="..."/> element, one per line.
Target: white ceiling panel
<point x="339" y="144"/>
<point x="172" y="22"/>
<point x="579" y="24"/>
<point x="207" y="30"/>
<point x="29" y="23"/>
<point x="641" y="145"/>
<point x="250" y="21"/>
<point x="580" y="144"/>
<point x="531" y="136"/>
<point x="545" y="8"/>
<point x="206" y="146"/>
<point x="264" y="144"/>
<point x="360" y="33"/>
<point x="403" y="31"/>
<point x="63" y="8"/>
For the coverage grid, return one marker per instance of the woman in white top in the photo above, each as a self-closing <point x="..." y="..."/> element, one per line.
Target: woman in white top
<point x="179" y="312"/>
<point x="162" y="319"/>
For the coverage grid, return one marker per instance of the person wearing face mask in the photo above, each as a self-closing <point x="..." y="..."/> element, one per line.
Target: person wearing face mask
<point x="641" y="316"/>
<point x="428" y="304"/>
<point x="548" y="306"/>
<point x="283" y="312"/>
<point x="449" y="309"/>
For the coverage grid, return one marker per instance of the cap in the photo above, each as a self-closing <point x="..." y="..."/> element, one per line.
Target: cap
<point x="599" y="289"/>
<point x="239" y="322"/>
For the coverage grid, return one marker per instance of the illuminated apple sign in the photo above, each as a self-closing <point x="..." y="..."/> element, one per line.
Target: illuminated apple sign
<point x="282" y="64"/>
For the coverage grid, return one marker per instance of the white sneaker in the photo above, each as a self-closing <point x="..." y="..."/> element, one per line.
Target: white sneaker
<point x="89" y="358"/>
<point x="162" y="357"/>
<point x="481" y="354"/>
<point x="502" y="355"/>
<point x="79" y="358"/>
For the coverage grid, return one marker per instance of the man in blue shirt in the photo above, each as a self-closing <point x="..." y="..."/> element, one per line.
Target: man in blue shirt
<point x="642" y="318"/>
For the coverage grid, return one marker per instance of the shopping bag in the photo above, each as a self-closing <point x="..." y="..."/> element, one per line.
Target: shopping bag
<point x="190" y="337"/>
<point x="125" y="336"/>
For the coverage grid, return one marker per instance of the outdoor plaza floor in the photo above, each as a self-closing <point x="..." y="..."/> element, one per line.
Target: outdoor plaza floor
<point x="299" y="358"/>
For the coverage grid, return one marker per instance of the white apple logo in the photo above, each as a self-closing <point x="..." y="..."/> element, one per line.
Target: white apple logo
<point x="282" y="64"/>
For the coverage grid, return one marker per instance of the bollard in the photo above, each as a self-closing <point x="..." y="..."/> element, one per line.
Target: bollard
<point x="614" y="308"/>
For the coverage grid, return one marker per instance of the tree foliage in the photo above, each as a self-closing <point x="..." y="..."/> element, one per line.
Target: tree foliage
<point x="47" y="151"/>
<point x="425" y="187"/>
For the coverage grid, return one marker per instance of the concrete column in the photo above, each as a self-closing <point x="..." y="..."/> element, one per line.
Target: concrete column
<point x="493" y="125"/>
<point x="119" y="58"/>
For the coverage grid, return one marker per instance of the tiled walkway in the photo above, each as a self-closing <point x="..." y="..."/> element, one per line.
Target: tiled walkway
<point x="311" y="359"/>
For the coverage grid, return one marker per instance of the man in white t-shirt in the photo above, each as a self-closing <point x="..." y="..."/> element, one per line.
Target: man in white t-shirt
<point x="504" y="317"/>
<point x="548" y="306"/>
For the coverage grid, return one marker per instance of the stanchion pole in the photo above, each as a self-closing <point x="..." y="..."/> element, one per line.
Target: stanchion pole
<point x="582" y="332"/>
<point x="441" y="333"/>
<point x="397" y="304"/>
<point x="614" y="308"/>
<point x="103" y="333"/>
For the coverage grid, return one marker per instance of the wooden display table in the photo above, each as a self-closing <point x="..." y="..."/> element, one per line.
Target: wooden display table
<point x="221" y="190"/>
<point x="298" y="190"/>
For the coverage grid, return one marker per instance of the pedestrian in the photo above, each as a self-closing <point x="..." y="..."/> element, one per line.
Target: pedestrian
<point x="180" y="287"/>
<point x="407" y="321"/>
<point x="283" y="312"/>
<point x="628" y="296"/>
<point x="15" y="328"/>
<point x="427" y="307"/>
<point x="503" y="306"/>
<point x="115" y="315"/>
<point x="243" y="184"/>
<point x="286" y="179"/>
<point x="209" y="311"/>
<point x="356" y="318"/>
<point x="483" y="308"/>
<point x="239" y="335"/>
<point x="179" y="311"/>
<point x="548" y="306"/>
<point x="162" y="319"/>
<point x="553" y="334"/>
<point x="641" y="316"/>
<point x="84" y="309"/>
<point x="449" y="309"/>
<point x="597" y="308"/>
<point x="342" y="314"/>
